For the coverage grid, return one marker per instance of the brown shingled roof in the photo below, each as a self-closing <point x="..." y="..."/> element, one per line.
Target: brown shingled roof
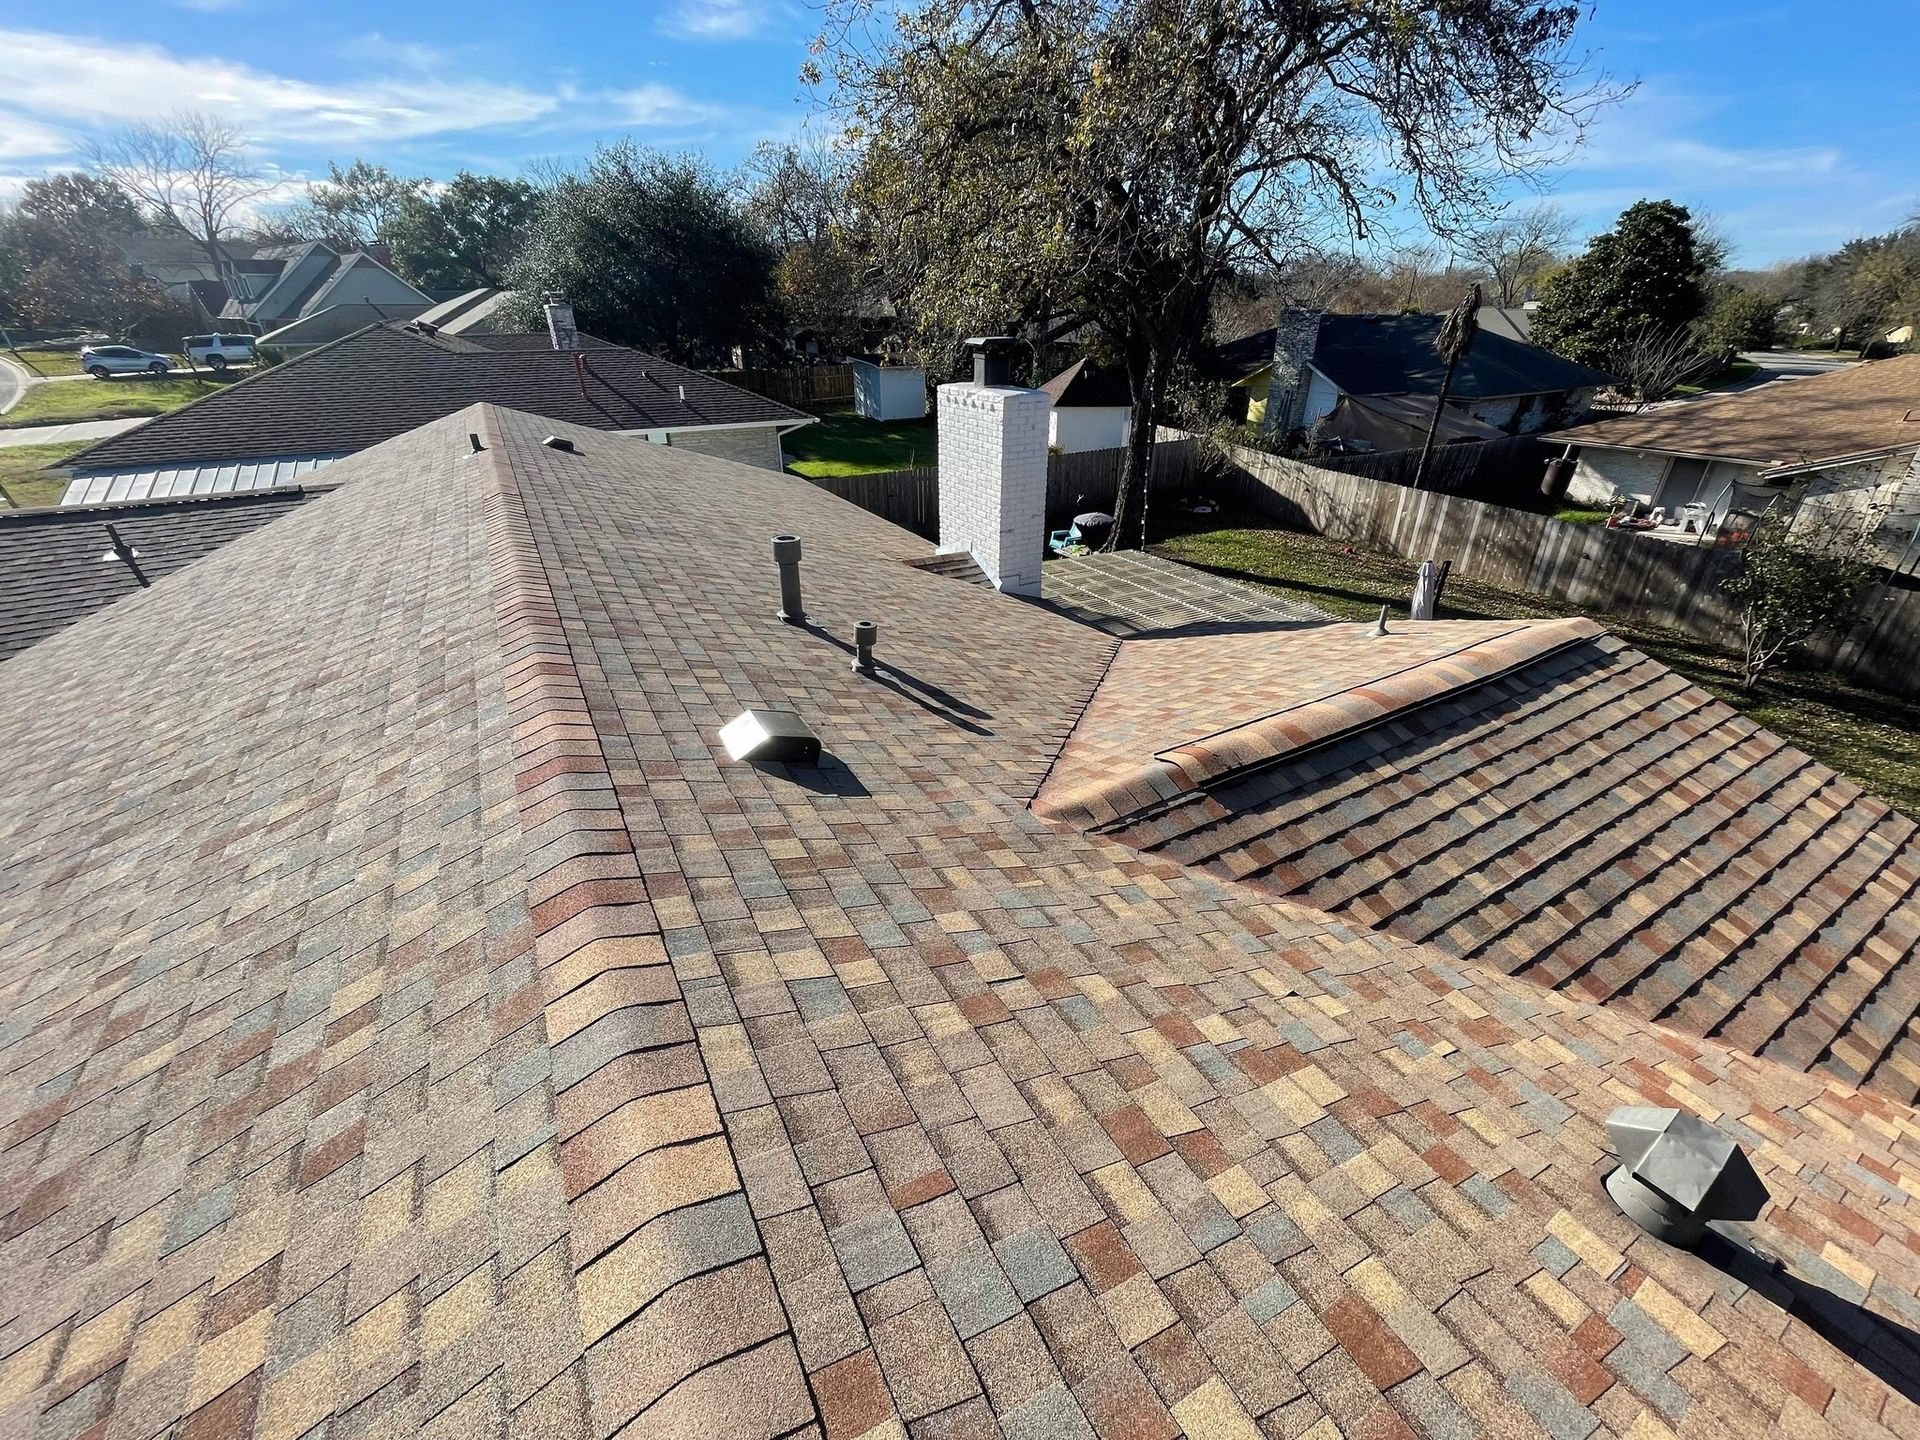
<point x="413" y="1025"/>
<point x="1534" y="797"/>
<point x="1860" y="410"/>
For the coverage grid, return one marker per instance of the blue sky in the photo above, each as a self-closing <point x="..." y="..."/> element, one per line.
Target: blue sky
<point x="1795" y="133"/>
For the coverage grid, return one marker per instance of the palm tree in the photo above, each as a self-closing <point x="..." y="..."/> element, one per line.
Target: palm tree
<point x="1455" y="339"/>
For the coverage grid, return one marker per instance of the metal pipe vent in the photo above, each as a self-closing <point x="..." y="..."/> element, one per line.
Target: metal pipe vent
<point x="786" y="555"/>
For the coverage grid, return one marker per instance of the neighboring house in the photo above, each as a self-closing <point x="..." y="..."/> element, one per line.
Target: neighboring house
<point x="58" y="566"/>
<point x="313" y="277"/>
<point x="882" y="391"/>
<point x="471" y="312"/>
<point x="419" y="1024"/>
<point x="1090" y="408"/>
<point x="268" y="287"/>
<point x="1844" y="443"/>
<point x="282" y="423"/>
<point x="1515" y="322"/>
<point x="1399" y="422"/>
<point x="1296" y="373"/>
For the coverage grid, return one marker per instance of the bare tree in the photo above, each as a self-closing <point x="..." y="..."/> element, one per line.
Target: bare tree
<point x="1515" y="248"/>
<point x="190" y="173"/>
<point x="1657" y="360"/>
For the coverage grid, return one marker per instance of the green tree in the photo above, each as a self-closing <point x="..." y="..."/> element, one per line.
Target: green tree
<point x="798" y="196"/>
<point x="1791" y="587"/>
<point x="1868" y="286"/>
<point x="1052" y="163"/>
<point x="62" y="267"/>
<point x="354" y="207"/>
<point x="1648" y="271"/>
<point x="463" y="235"/>
<point x="1738" y="320"/>
<point x="653" y="252"/>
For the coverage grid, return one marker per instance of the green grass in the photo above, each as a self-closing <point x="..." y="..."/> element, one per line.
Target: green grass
<point x="1578" y="514"/>
<point x="1738" y="371"/>
<point x="1871" y="737"/>
<point x="103" y="400"/>
<point x="843" y="443"/>
<point x="22" y="477"/>
<point x="47" y="362"/>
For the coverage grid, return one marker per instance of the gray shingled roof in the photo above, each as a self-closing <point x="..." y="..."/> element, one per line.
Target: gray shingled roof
<point x="384" y="381"/>
<point x="52" y="570"/>
<point x="1395" y="355"/>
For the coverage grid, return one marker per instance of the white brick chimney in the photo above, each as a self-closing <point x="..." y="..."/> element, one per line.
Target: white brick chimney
<point x="560" y="324"/>
<point x="993" y="470"/>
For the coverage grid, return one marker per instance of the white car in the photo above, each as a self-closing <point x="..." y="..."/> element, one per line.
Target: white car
<point x="217" y="352"/>
<point x="100" y="361"/>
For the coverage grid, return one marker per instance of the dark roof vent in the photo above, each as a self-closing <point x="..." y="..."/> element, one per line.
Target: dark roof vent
<point x="770" y="735"/>
<point x="559" y="442"/>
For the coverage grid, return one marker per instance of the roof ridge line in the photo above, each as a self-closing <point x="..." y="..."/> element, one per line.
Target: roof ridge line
<point x="1179" y="772"/>
<point x="629" y="1077"/>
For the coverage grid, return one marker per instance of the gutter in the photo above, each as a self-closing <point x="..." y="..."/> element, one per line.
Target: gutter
<point x="1783" y="472"/>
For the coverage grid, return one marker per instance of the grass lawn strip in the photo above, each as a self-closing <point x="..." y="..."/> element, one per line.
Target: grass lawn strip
<point x="23" y="477"/>
<point x="1866" y="735"/>
<point x="103" y="400"/>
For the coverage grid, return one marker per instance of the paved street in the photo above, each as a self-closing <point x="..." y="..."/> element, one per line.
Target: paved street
<point x="13" y="384"/>
<point x="1786" y="365"/>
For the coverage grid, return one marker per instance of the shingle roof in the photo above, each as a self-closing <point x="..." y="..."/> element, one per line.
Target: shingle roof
<point x="52" y="570"/>
<point x="415" y="1026"/>
<point x="1537" y="798"/>
<point x="383" y="381"/>
<point x="1855" y="411"/>
<point x="1394" y="355"/>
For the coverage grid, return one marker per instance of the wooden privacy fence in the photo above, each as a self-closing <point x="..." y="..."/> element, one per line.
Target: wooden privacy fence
<point x="1590" y="566"/>
<point x="1086" y="480"/>
<point x="796" y="385"/>
<point x="909" y="498"/>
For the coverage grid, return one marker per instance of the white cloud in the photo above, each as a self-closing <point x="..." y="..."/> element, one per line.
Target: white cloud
<point x="658" y="105"/>
<point x="25" y="139"/>
<point x="62" y="77"/>
<point x="722" y="19"/>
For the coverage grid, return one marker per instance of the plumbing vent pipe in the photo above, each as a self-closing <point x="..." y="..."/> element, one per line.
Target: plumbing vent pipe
<point x="865" y="636"/>
<point x="1380" y="625"/>
<point x="786" y="554"/>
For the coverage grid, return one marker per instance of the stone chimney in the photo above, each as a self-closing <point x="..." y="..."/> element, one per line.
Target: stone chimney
<point x="566" y="335"/>
<point x="993" y="469"/>
<point x="1296" y="333"/>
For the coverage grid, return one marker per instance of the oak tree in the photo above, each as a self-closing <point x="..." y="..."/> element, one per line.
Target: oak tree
<point x="1047" y="163"/>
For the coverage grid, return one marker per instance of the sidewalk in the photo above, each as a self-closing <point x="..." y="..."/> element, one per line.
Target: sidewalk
<point x="77" y="430"/>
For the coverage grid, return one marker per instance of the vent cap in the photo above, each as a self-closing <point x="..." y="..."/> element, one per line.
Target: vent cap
<point x="770" y="735"/>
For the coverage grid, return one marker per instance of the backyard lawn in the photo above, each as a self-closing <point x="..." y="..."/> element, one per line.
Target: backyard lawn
<point x="21" y="475"/>
<point x="103" y="400"/>
<point x="843" y="443"/>
<point x="1866" y="735"/>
